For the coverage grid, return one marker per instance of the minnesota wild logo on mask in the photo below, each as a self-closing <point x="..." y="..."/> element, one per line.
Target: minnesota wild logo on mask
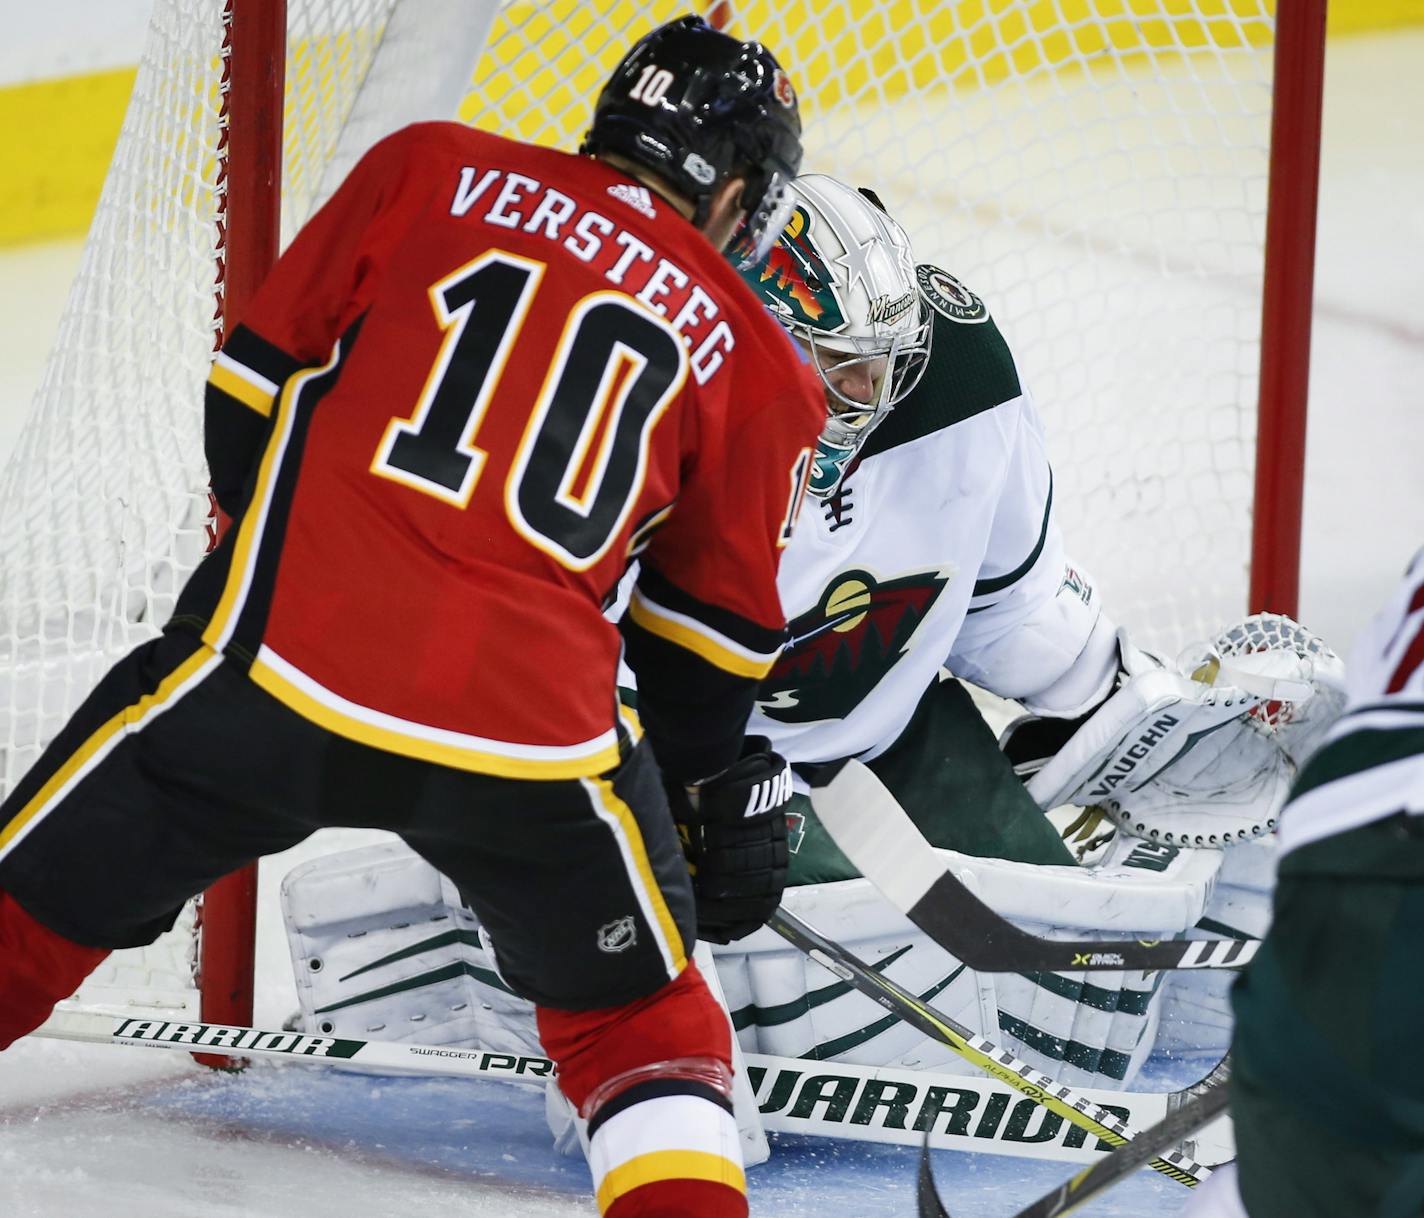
<point x="792" y="279"/>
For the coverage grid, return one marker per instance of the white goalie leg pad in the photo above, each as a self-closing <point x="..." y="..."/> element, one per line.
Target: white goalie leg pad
<point x="384" y="949"/>
<point x="1202" y="753"/>
<point x="1196" y="1013"/>
<point x="379" y="921"/>
<point x="1085" y="1029"/>
<point x="1219" y="1196"/>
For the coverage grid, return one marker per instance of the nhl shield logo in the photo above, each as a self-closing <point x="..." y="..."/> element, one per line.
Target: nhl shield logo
<point x="618" y="935"/>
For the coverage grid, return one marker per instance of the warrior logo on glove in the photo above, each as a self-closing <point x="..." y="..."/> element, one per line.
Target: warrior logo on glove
<point x="733" y="831"/>
<point x="769" y="793"/>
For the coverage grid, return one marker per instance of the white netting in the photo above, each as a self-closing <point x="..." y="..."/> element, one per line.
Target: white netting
<point x="1095" y="169"/>
<point x="103" y="504"/>
<point x="1108" y="201"/>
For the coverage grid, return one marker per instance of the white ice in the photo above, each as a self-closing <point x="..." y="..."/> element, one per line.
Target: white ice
<point x="97" y="1132"/>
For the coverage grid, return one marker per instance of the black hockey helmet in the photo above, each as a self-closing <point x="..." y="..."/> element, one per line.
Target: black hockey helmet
<point x="694" y="105"/>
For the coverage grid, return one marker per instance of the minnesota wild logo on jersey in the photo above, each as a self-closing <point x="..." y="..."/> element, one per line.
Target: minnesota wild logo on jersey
<point x="840" y="650"/>
<point x="948" y="296"/>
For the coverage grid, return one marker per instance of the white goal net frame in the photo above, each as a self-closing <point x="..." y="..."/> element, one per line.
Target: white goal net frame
<point x="1111" y="176"/>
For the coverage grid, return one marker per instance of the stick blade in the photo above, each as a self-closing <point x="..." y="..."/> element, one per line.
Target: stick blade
<point x="927" y="1196"/>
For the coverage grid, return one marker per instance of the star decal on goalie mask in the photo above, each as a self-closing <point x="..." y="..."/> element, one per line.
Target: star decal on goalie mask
<point x="856" y="261"/>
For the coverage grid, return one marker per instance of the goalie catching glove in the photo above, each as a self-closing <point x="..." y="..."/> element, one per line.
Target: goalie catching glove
<point x="1200" y="753"/>
<point x="733" y="830"/>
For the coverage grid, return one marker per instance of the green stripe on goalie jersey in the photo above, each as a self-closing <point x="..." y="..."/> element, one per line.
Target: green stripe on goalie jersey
<point x="970" y="371"/>
<point x="1358" y="752"/>
<point x="986" y="587"/>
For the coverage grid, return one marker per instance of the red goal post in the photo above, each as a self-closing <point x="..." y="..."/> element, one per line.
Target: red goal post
<point x="1057" y="155"/>
<point x="1287" y="299"/>
<point x="250" y="234"/>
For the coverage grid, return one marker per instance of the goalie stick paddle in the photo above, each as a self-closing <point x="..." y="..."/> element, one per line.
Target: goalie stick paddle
<point x="877" y="835"/>
<point x="1118" y="1163"/>
<point x="995" y="1061"/>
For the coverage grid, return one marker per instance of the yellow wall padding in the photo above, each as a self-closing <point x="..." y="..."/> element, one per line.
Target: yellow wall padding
<point x="1364" y="16"/>
<point x="56" y="140"/>
<point x="540" y="72"/>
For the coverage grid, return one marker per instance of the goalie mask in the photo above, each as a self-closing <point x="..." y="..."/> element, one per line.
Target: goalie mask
<point x="841" y="278"/>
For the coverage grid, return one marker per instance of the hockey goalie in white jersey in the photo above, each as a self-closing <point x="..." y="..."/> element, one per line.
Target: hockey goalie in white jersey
<point x="926" y="560"/>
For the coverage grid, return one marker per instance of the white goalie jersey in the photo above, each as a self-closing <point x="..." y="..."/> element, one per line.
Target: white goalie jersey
<point x="939" y="549"/>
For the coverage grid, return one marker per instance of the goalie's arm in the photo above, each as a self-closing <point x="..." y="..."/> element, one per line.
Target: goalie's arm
<point x="1035" y="631"/>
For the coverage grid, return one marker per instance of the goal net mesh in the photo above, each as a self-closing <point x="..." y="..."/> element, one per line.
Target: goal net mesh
<point x="1095" y="170"/>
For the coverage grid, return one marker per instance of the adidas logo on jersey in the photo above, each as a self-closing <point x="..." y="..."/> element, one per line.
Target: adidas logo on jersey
<point x="639" y="198"/>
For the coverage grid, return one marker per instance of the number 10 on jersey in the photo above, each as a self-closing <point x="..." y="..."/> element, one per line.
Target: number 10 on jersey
<point x="615" y="369"/>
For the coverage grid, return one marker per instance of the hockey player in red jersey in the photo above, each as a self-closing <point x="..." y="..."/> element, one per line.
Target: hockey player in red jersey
<point x="482" y="379"/>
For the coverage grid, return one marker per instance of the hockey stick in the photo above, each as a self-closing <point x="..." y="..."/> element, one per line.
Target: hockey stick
<point x="882" y="1104"/>
<point x="1121" y="1162"/>
<point x="992" y="1059"/>
<point x="873" y="830"/>
<point x="394" y="1057"/>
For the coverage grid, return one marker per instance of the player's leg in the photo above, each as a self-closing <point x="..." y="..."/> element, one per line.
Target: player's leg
<point x="583" y="889"/>
<point x="948" y="773"/>
<point x="1329" y="1067"/>
<point x="148" y="794"/>
<point x="38" y="968"/>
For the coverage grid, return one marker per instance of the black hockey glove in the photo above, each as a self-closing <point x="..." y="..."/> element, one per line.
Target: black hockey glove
<point x="733" y="830"/>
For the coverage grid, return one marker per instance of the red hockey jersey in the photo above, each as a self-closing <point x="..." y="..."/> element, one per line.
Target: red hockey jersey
<point x="482" y="377"/>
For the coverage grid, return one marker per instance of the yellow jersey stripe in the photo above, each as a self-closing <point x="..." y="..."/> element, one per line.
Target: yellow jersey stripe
<point x="716" y="649"/>
<point x="128" y="719"/>
<point x="631" y="720"/>
<point x="644" y="532"/>
<point x="230" y="382"/>
<point x="668" y="1165"/>
<point x="674" y="950"/>
<point x="254" y="519"/>
<point x="409" y="744"/>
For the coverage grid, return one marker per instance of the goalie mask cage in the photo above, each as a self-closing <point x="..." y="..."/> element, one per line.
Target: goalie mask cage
<point x="1096" y="170"/>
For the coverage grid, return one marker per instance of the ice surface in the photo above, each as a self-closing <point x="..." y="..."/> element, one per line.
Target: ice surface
<point x="94" y="1132"/>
